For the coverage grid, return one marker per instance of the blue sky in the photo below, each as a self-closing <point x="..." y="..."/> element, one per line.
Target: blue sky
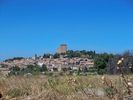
<point x="40" y="26"/>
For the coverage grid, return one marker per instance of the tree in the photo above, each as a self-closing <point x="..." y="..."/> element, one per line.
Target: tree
<point x="15" y="58"/>
<point x="44" y="68"/>
<point x="127" y="63"/>
<point x="79" y="71"/>
<point x="101" y="61"/>
<point x="112" y="65"/>
<point x="47" y="55"/>
<point x="85" y="69"/>
<point x="56" y="55"/>
<point x="14" y="70"/>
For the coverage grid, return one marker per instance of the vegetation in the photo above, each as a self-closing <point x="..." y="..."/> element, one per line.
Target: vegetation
<point x="71" y="54"/>
<point x="63" y="87"/>
<point x="77" y="87"/>
<point x="30" y="69"/>
<point x="104" y="63"/>
<point x="15" y="58"/>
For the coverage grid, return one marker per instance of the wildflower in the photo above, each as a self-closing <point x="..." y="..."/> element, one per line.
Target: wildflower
<point x="118" y="68"/>
<point x="74" y="80"/>
<point x="103" y="82"/>
<point x="130" y="84"/>
<point x="103" y="78"/>
<point x="122" y="59"/>
<point x="119" y="62"/>
<point x="29" y="98"/>
<point x="130" y="67"/>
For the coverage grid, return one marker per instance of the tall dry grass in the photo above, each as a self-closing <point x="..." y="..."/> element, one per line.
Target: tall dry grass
<point x="58" y="88"/>
<point x="49" y="88"/>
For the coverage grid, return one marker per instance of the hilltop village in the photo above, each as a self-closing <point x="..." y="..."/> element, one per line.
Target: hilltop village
<point x="60" y="63"/>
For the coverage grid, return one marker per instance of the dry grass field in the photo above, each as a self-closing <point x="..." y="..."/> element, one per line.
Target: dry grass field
<point x="62" y="88"/>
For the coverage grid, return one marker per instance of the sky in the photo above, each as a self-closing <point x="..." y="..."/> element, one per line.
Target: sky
<point x="29" y="27"/>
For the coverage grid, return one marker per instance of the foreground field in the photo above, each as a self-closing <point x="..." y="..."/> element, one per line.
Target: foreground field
<point x="62" y="88"/>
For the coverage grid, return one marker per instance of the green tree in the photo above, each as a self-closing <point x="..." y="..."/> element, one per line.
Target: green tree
<point x="101" y="61"/>
<point x="14" y="70"/>
<point x="44" y="68"/>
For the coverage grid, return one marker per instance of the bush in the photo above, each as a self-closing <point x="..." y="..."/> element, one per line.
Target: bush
<point x="101" y="71"/>
<point x="49" y="73"/>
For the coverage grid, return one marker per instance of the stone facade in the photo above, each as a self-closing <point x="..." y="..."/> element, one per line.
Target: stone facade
<point x="62" y="49"/>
